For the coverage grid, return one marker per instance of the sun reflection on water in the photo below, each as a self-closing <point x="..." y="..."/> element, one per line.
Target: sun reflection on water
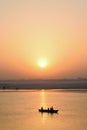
<point x="43" y="98"/>
<point x="42" y="91"/>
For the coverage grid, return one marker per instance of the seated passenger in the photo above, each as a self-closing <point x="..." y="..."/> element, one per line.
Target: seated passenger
<point x="41" y="108"/>
<point x="51" y="108"/>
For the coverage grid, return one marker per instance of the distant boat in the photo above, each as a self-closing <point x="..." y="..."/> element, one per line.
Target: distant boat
<point x="51" y="110"/>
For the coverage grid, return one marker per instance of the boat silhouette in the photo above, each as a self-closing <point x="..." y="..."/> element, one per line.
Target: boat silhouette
<point x="49" y="110"/>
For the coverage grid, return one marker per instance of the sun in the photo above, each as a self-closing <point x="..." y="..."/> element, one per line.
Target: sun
<point x="42" y="63"/>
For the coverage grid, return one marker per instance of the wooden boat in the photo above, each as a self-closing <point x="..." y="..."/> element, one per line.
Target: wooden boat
<point x="48" y="110"/>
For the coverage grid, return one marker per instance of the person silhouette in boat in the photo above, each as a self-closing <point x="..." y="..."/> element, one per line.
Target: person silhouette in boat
<point x="48" y="109"/>
<point x="41" y="108"/>
<point x="51" y="108"/>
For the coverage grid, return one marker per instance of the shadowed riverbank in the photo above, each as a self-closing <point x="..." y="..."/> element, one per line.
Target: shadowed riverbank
<point x="43" y="84"/>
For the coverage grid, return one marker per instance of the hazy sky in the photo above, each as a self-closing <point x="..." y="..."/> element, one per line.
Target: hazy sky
<point x="54" y="30"/>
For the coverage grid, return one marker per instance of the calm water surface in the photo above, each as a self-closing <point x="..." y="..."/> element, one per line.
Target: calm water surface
<point x="19" y="110"/>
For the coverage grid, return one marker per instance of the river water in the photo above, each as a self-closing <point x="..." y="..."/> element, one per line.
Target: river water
<point x="19" y="110"/>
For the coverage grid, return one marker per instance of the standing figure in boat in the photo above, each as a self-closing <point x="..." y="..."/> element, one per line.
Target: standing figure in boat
<point x="41" y="108"/>
<point x="51" y="108"/>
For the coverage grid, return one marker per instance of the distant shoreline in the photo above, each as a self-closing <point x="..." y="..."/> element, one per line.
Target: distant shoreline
<point x="44" y="84"/>
<point x="80" y="83"/>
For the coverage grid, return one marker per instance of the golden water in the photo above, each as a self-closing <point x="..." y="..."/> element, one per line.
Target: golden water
<point x="19" y="110"/>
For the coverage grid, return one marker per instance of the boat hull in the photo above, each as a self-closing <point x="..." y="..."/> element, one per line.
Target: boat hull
<point x="48" y="111"/>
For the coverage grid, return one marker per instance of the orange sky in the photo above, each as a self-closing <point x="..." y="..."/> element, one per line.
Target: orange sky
<point x="49" y="29"/>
